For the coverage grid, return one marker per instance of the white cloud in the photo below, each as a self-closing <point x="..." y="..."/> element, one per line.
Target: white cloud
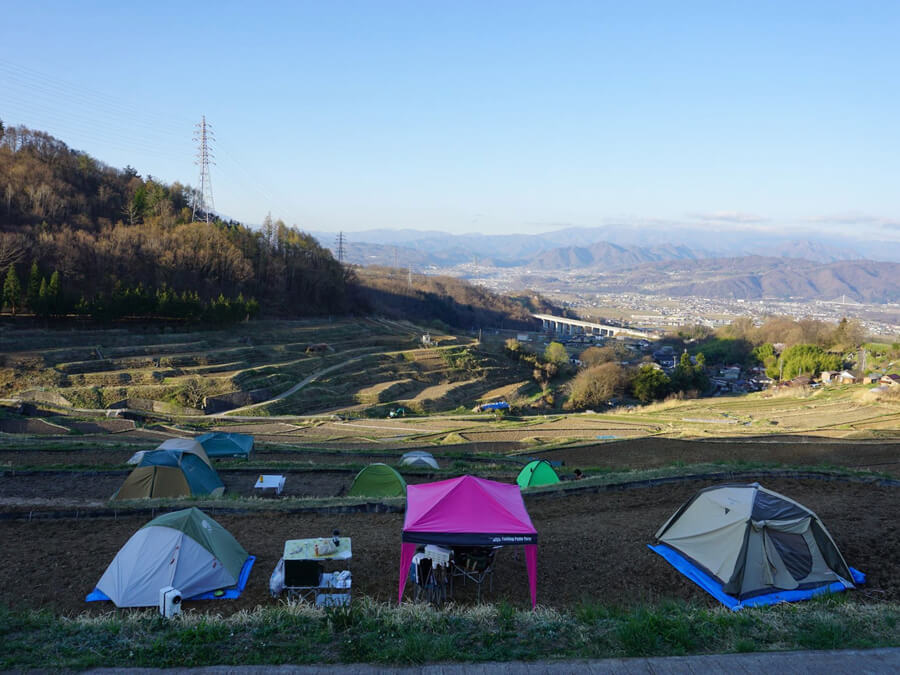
<point x="857" y="218"/>
<point x="729" y="217"/>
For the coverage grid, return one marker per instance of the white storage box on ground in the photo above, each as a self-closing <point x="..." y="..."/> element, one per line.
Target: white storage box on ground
<point x="169" y="601"/>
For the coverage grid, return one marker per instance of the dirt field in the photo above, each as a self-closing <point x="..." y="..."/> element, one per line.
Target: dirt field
<point x="645" y="453"/>
<point x="38" y="489"/>
<point x="98" y="456"/>
<point x="590" y="546"/>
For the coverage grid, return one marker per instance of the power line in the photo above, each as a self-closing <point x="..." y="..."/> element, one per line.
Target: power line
<point x="96" y="100"/>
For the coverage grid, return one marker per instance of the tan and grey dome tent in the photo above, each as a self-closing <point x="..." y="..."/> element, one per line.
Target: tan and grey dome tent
<point x="188" y="445"/>
<point x="747" y="545"/>
<point x="420" y="458"/>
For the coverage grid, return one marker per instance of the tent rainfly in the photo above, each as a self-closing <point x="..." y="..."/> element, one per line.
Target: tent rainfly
<point x="467" y="511"/>
<point x="378" y="480"/>
<point x="537" y="472"/>
<point x="188" y="445"/>
<point x="747" y="546"/>
<point x="222" y="444"/>
<point x="186" y="549"/>
<point x="171" y="473"/>
<point x="419" y="458"/>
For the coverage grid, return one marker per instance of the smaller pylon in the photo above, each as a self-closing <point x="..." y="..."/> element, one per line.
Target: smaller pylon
<point x="339" y="243"/>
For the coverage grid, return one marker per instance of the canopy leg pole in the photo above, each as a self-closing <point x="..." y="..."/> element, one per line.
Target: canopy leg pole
<point x="407" y="551"/>
<point x="531" y="563"/>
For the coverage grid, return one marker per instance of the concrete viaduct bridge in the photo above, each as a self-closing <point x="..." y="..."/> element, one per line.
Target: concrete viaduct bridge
<point x="576" y="327"/>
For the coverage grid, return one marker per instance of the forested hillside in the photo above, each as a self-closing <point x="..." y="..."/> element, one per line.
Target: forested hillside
<point x="78" y="236"/>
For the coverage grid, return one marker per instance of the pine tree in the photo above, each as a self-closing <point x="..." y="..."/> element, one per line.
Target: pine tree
<point x="34" y="287"/>
<point x="54" y="294"/>
<point x="43" y="302"/>
<point x="12" y="290"/>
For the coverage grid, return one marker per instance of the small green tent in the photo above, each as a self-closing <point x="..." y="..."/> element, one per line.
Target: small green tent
<point x="378" y="480"/>
<point x="537" y="472"/>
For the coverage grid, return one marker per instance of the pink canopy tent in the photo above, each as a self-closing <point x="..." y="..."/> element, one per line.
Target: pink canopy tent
<point x="467" y="511"/>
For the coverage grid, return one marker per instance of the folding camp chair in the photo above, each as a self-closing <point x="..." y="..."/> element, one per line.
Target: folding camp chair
<point x="474" y="564"/>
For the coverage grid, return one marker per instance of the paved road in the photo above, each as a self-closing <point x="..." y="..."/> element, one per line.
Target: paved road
<point x="844" y="662"/>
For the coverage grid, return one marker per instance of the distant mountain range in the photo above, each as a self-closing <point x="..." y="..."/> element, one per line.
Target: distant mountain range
<point x="608" y="246"/>
<point x="676" y="262"/>
<point x="756" y="277"/>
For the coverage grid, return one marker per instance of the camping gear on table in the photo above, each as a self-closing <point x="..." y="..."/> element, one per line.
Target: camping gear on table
<point x="186" y="550"/>
<point x="171" y="473"/>
<point x="421" y="458"/>
<point x="378" y="480"/>
<point x="226" y="444"/>
<point x="537" y="472"/>
<point x="467" y="512"/>
<point x="748" y="546"/>
<point x="301" y="570"/>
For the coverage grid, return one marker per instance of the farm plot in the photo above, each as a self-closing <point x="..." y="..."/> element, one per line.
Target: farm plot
<point x="42" y="487"/>
<point x="441" y="392"/>
<point x="546" y="435"/>
<point x="99" y="367"/>
<point x="646" y="453"/>
<point x="592" y="547"/>
<point x="830" y="415"/>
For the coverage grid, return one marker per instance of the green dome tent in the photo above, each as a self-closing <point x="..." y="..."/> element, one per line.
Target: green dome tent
<point x="378" y="480"/>
<point x="186" y="549"/>
<point x="171" y="473"/>
<point x="537" y="472"/>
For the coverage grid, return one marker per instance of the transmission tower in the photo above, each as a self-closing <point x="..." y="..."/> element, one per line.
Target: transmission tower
<point x="203" y="199"/>
<point x="339" y="242"/>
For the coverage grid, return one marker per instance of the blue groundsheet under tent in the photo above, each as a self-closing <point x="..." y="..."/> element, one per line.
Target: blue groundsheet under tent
<point x="714" y="587"/>
<point x="230" y="593"/>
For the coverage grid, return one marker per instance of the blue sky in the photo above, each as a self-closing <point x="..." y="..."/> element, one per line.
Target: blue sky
<point x="482" y="116"/>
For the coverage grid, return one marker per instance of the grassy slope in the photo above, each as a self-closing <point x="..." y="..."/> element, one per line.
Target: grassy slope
<point x="417" y="634"/>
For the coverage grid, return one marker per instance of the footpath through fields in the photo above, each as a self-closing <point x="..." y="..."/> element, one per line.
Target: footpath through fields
<point x="844" y="662"/>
